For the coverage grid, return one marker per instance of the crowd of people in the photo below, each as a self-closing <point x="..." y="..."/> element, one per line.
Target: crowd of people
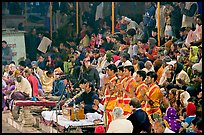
<point x="134" y="79"/>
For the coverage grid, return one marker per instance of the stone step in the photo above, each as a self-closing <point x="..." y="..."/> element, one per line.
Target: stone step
<point x="7" y="117"/>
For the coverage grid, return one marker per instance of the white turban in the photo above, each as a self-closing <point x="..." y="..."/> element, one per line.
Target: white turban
<point x="128" y="19"/>
<point x="198" y="67"/>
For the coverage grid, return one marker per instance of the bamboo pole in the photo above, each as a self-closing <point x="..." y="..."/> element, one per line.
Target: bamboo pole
<point x="158" y="12"/>
<point x="77" y="18"/>
<point x="113" y="18"/>
<point x="51" y="20"/>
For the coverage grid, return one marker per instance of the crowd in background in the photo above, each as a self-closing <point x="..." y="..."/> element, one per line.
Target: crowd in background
<point x="157" y="87"/>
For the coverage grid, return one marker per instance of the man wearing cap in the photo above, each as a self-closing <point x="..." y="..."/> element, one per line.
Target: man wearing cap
<point x="101" y="60"/>
<point x="36" y="69"/>
<point x="130" y="24"/>
<point x="196" y="79"/>
<point x="23" y="88"/>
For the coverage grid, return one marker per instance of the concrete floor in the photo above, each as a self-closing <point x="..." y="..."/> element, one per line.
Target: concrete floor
<point x="6" y="128"/>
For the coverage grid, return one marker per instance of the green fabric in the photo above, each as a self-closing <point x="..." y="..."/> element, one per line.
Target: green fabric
<point x="193" y="57"/>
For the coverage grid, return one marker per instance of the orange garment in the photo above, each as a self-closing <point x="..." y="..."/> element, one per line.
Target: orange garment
<point x="159" y="73"/>
<point x="110" y="102"/>
<point x="155" y="95"/>
<point x="142" y="86"/>
<point x="154" y="53"/>
<point x="119" y="102"/>
<point x="129" y="84"/>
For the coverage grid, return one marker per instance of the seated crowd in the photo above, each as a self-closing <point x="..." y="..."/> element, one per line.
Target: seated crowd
<point x="146" y="87"/>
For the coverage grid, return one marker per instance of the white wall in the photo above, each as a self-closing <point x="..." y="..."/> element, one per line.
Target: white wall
<point x="17" y="38"/>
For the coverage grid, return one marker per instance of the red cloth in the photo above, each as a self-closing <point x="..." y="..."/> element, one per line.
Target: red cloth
<point x="34" y="85"/>
<point x="190" y="109"/>
<point x="102" y="50"/>
<point x="99" y="129"/>
<point x="117" y="27"/>
<point x="115" y="58"/>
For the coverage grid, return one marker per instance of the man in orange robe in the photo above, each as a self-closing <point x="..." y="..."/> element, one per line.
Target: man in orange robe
<point x="154" y="95"/>
<point x="128" y="89"/>
<point x="110" y="93"/>
<point x="140" y="77"/>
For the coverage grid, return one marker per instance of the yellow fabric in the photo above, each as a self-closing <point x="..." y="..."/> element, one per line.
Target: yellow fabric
<point x="159" y="73"/>
<point x="143" y="87"/>
<point x="46" y="83"/>
<point x="133" y="85"/>
<point x="155" y="95"/>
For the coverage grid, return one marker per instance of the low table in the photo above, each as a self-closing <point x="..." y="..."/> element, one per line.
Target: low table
<point x="25" y="115"/>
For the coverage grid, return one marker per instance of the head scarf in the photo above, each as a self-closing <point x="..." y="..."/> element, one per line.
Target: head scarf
<point x="99" y="129"/>
<point x="190" y="109"/>
<point x="171" y="117"/>
<point x="16" y="73"/>
<point x="115" y="58"/>
<point x="34" y="63"/>
<point x="185" y="96"/>
<point x="108" y="56"/>
<point x="194" y="57"/>
<point x="198" y="67"/>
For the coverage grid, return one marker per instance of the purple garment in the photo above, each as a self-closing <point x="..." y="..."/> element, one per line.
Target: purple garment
<point x="171" y="117"/>
<point x="10" y="88"/>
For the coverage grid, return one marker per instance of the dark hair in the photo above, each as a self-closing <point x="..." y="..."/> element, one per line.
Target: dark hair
<point x="113" y="67"/>
<point x="136" y="57"/>
<point x="4" y="42"/>
<point x="199" y="16"/>
<point x="130" y="68"/>
<point x="49" y="72"/>
<point x="135" y="102"/>
<point x="141" y="65"/>
<point x="152" y="74"/>
<point x="154" y="29"/>
<point x="197" y="122"/>
<point x="121" y="68"/>
<point x="131" y="32"/>
<point x="182" y="29"/>
<point x="126" y="56"/>
<point x="22" y="63"/>
<point x="142" y="74"/>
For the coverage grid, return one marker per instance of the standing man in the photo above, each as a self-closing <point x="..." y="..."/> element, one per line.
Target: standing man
<point x="189" y="10"/>
<point x="6" y="53"/>
<point x="128" y="89"/>
<point x="154" y="95"/>
<point x="149" y="19"/>
<point x="139" y="78"/>
<point x="121" y="81"/>
<point x="109" y="92"/>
